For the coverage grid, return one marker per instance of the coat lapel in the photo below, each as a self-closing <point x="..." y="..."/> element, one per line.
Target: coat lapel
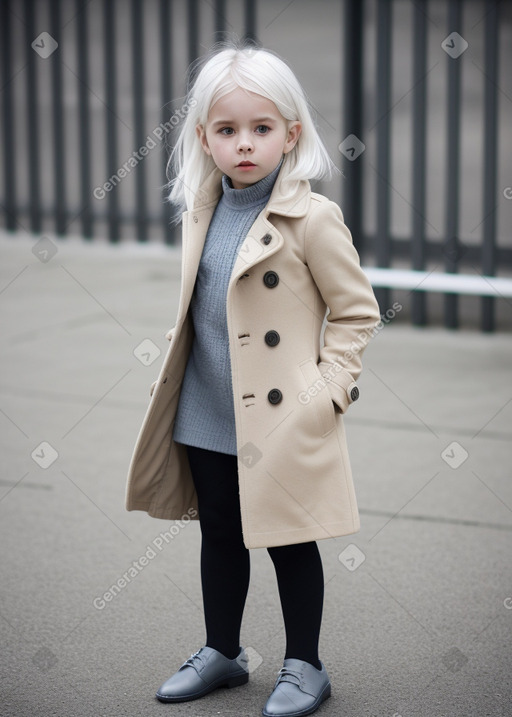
<point x="291" y="203"/>
<point x="291" y="200"/>
<point x="195" y="228"/>
<point x="253" y="249"/>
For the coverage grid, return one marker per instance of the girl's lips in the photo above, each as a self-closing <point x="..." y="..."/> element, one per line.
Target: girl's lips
<point x="246" y="164"/>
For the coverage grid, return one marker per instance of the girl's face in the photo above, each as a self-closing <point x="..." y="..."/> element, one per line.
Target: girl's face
<point x="246" y="136"/>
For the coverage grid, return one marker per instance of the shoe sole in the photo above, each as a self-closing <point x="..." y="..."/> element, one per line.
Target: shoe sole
<point x="233" y="681"/>
<point x="322" y="697"/>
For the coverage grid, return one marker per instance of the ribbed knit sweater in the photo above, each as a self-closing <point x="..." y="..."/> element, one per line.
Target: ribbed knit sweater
<point x="206" y="417"/>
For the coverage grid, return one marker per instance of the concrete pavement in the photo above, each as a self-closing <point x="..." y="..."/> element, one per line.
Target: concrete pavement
<point x="418" y="609"/>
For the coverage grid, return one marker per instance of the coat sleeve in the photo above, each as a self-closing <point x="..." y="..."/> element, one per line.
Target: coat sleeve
<point x="353" y="311"/>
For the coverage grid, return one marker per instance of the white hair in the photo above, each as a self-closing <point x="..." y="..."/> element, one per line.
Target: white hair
<point x="255" y="70"/>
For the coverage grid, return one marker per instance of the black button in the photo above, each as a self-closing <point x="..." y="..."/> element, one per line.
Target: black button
<point x="267" y="239"/>
<point x="272" y="338"/>
<point x="271" y="279"/>
<point x="354" y="394"/>
<point x="275" y="396"/>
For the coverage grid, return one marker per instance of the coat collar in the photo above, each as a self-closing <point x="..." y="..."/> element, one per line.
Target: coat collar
<point x="288" y="198"/>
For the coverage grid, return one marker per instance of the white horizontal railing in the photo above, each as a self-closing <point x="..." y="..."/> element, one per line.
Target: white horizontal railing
<point x="475" y="284"/>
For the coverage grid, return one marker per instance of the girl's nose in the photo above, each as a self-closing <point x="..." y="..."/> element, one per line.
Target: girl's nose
<point x="245" y="145"/>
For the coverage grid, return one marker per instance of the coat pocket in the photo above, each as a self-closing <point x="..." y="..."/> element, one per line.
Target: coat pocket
<point x="318" y="394"/>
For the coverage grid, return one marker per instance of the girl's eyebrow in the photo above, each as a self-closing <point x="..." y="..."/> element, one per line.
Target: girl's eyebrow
<point x="258" y="120"/>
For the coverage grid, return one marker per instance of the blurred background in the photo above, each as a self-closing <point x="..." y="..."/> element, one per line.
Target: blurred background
<point x="91" y="93"/>
<point x="413" y="99"/>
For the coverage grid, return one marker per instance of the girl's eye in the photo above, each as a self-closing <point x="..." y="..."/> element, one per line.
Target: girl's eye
<point x="262" y="129"/>
<point x="227" y="131"/>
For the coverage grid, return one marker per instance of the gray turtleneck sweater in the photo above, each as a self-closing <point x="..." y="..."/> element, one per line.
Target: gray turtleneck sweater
<point x="206" y="417"/>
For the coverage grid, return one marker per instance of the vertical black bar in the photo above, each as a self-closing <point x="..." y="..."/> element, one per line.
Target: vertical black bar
<point x="383" y="245"/>
<point x="193" y="30"/>
<point x="111" y="115"/>
<point x="491" y="50"/>
<point x="9" y="135"/>
<point x="353" y="116"/>
<point x="138" y="119"/>
<point x="59" y="139"/>
<point x="419" y="108"/>
<point x="33" y="153"/>
<point x="84" y="131"/>
<point x="250" y="20"/>
<point x="166" y="96"/>
<point x="220" y="19"/>
<point x="452" y="257"/>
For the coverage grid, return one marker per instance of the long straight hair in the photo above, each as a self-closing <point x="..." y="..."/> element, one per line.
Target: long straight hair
<point x="255" y="70"/>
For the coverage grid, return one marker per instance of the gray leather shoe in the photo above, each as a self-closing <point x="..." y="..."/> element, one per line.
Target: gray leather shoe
<point x="202" y="673"/>
<point x="299" y="690"/>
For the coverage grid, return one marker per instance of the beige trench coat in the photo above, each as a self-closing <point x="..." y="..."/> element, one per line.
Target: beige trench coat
<point x="289" y="394"/>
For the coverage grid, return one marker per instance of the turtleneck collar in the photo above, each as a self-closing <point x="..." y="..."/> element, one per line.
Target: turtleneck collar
<point x="249" y="196"/>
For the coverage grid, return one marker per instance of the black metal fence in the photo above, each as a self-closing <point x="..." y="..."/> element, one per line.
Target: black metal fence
<point x="411" y="96"/>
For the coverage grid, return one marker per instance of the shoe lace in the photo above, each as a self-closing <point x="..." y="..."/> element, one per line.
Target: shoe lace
<point x="196" y="657"/>
<point x="287" y="675"/>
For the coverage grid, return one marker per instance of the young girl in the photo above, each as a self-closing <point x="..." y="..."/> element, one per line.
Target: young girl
<point x="245" y="427"/>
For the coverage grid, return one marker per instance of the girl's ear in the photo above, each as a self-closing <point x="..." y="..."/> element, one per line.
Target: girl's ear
<point x="294" y="130"/>
<point x="201" y="133"/>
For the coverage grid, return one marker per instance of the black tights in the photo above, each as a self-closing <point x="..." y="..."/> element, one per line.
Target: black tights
<point x="225" y="566"/>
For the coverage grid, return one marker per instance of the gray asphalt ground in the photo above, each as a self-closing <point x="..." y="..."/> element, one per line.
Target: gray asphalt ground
<point x="418" y="617"/>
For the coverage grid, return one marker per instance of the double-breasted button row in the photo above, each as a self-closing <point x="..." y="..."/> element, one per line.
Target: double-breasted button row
<point x="272" y="338"/>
